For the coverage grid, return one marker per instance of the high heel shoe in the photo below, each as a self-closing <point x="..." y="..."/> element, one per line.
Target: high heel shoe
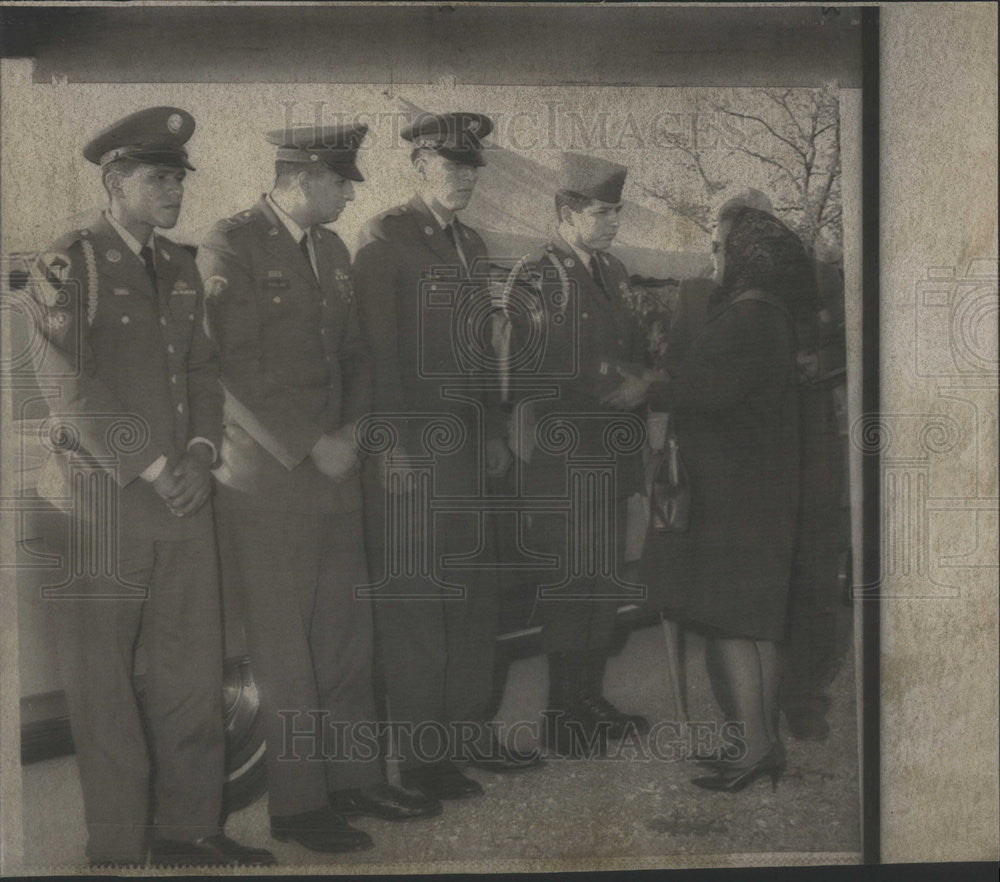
<point x="734" y="780"/>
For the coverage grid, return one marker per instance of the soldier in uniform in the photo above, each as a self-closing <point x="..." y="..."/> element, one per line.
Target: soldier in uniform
<point x="436" y="653"/>
<point x="296" y="377"/>
<point x="575" y="289"/>
<point x="132" y="378"/>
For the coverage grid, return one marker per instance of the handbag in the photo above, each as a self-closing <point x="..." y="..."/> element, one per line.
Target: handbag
<point x="670" y="493"/>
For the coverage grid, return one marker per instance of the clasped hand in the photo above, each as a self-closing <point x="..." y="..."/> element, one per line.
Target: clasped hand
<point x="186" y="486"/>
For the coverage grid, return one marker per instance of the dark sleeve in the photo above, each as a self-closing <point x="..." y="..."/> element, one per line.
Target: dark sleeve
<point x="265" y="408"/>
<point x="203" y="384"/>
<point x="65" y="367"/>
<point x="355" y="368"/>
<point x="744" y="350"/>
<point x="374" y="279"/>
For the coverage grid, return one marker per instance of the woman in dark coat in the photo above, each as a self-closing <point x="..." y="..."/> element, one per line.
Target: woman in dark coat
<point x="734" y="403"/>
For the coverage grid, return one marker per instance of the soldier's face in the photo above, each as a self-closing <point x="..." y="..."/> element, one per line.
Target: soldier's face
<point x="450" y="183"/>
<point x="327" y="194"/>
<point x="597" y="225"/>
<point x="152" y="194"/>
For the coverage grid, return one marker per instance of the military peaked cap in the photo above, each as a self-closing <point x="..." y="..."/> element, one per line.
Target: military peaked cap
<point x="456" y="136"/>
<point x="335" y="146"/>
<point x="156" y="136"/>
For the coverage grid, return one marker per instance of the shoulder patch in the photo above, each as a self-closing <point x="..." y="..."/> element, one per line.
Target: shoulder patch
<point x="240" y="219"/>
<point x="215" y="285"/>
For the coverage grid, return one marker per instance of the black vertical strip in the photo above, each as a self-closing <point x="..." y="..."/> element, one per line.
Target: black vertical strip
<point x="871" y="462"/>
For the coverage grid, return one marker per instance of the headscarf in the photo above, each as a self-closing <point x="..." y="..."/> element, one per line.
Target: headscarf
<point x="762" y="253"/>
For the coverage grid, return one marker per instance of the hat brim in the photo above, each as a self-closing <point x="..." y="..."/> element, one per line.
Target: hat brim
<point x="347" y="170"/>
<point x="467" y="156"/>
<point x="171" y="158"/>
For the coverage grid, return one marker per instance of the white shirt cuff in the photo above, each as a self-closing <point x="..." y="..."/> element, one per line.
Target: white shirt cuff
<point x="154" y="469"/>
<point x="199" y="440"/>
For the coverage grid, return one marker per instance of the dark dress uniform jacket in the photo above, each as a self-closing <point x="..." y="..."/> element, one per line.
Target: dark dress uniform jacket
<point x="586" y="334"/>
<point x="132" y="369"/>
<point x="404" y="270"/>
<point x="735" y="404"/>
<point x="293" y="364"/>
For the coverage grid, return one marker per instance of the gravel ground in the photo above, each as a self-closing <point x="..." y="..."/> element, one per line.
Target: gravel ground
<point x="567" y="814"/>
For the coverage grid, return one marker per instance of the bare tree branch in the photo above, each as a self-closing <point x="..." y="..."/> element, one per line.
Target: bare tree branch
<point x="782" y="102"/>
<point x="766" y="125"/>
<point x="769" y="161"/>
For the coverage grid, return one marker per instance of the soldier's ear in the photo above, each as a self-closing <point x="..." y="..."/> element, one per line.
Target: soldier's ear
<point x="565" y="215"/>
<point x="113" y="183"/>
<point x="420" y="164"/>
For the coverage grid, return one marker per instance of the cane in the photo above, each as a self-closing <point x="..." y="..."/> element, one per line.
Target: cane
<point x="675" y="669"/>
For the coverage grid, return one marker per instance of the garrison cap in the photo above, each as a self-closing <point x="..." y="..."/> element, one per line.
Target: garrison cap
<point x="592" y="177"/>
<point x="156" y="136"/>
<point x="335" y="146"/>
<point x="456" y="136"/>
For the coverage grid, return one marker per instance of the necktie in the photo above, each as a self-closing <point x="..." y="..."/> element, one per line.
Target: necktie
<point x="595" y="271"/>
<point x="449" y="231"/>
<point x="304" y="246"/>
<point x="146" y="254"/>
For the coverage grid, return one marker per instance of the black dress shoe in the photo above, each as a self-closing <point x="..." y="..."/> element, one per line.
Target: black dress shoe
<point x="503" y="760"/>
<point x="440" y="781"/>
<point x="573" y="733"/>
<point x="210" y="851"/>
<point x="384" y="801"/>
<point x="617" y="723"/>
<point x="320" y="830"/>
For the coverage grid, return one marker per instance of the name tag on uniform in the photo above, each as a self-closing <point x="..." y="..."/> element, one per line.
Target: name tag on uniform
<point x="180" y="288"/>
<point x="121" y="292"/>
<point x="276" y="283"/>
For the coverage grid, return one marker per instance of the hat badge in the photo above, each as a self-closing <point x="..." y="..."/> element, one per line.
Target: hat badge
<point x="174" y="122"/>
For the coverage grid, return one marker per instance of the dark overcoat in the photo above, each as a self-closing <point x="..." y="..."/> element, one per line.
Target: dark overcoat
<point x="734" y="400"/>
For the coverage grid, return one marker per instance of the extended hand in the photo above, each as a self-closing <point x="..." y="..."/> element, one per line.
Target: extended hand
<point x="336" y="457"/>
<point x="630" y="394"/>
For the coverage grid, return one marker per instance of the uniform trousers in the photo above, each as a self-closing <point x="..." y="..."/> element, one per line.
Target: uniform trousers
<point x="310" y="645"/>
<point x="177" y="619"/>
<point x="436" y="654"/>
<point x="582" y="622"/>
